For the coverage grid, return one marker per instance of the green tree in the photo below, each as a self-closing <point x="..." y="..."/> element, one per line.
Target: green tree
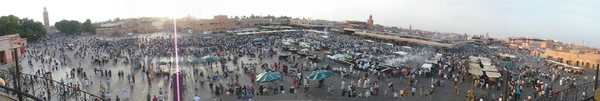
<point x="9" y="25"/>
<point x="32" y="30"/>
<point x="236" y="17"/>
<point x="27" y="28"/>
<point x="88" y="27"/>
<point x="69" y="27"/>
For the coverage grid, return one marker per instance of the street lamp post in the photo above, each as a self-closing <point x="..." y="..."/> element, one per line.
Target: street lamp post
<point x="17" y="73"/>
<point x="596" y="77"/>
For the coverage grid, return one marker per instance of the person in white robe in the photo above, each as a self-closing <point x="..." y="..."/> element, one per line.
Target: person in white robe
<point x="126" y="93"/>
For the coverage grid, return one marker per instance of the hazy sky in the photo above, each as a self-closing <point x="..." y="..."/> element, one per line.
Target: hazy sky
<point x="570" y="21"/>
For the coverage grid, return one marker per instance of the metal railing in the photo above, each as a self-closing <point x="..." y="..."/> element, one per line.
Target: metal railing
<point x="13" y="94"/>
<point x="574" y="93"/>
<point x="47" y="89"/>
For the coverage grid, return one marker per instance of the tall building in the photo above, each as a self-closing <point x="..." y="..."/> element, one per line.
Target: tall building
<point x="46" y="21"/>
<point x="370" y="23"/>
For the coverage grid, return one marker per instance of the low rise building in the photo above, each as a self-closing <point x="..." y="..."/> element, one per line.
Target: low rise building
<point x="132" y="25"/>
<point x="311" y="23"/>
<point x="219" y="23"/>
<point x="7" y="44"/>
<point x="571" y="57"/>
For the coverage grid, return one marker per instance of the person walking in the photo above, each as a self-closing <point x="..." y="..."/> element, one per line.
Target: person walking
<point x="108" y="83"/>
<point x="148" y="97"/>
<point x="413" y="91"/>
<point x="126" y="93"/>
<point x="196" y="98"/>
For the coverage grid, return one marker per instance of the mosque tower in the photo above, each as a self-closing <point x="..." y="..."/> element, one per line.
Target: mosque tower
<point x="370" y="23"/>
<point x="46" y="21"/>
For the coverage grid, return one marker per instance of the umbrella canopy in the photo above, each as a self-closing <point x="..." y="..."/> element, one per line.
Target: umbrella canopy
<point x="319" y="75"/>
<point x="509" y="64"/>
<point x="210" y="58"/>
<point x="198" y="61"/>
<point x="268" y="77"/>
<point x="162" y="63"/>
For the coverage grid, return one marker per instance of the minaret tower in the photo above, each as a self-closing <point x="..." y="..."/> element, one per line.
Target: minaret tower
<point x="370" y="23"/>
<point x="46" y="21"/>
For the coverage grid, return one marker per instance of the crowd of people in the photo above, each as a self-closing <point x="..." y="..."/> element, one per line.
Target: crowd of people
<point x="243" y="57"/>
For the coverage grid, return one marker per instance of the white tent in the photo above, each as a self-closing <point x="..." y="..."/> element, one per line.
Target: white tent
<point x="406" y="47"/>
<point x="427" y="67"/>
<point x="489" y="74"/>
<point x="401" y="53"/>
<point x="389" y="44"/>
<point x="438" y="54"/>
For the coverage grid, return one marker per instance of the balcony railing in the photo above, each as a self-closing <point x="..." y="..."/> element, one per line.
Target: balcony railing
<point x="44" y="88"/>
<point x="13" y="94"/>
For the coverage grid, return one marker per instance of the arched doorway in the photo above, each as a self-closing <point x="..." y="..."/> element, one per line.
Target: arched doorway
<point x="577" y="63"/>
<point x="587" y="65"/>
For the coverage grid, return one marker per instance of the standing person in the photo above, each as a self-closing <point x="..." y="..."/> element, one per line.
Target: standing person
<point x="148" y="97"/>
<point x="329" y="90"/>
<point x="456" y="90"/>
<point x="108" y="83"/>
<point x="196" y="98"/>
<point x="126" y="93"/>
<point x="413" y="91"/>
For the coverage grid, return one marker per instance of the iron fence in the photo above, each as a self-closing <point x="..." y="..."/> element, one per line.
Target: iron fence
<point x="42" y="87"/>
<point x="13" y="94"/>
<point x="573" y="93"/>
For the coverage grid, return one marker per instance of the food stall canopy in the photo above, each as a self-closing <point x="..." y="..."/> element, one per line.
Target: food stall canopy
<point x="506" y="55"/>
<point x="579" y="68"/>
<point x="565" y="65"/>
<point x="489" y="74"/>
<point x="433" y="61"/>
<point x="493" y="74"/>
<point x="438" y="54"/>
<point x="406" y="47"/>
<point x="286" y="43"/>
<point x="261" y="32"/>
<point x="427" y="67"/>
<point x="390" y="44"/>
<point x="488" y="68"/>
<point x="486" y="63"/>
<point x="401" y="53"/>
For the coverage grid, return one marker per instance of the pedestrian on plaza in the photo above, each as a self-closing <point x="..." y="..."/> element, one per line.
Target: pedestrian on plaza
<point x="196" y="98"/>
<point x="413" y="91"/>
<point x="396" y="95"/>
<point x="329" y="90"/>
<point x="108" y="96"/>
<point x="108" y="83"/>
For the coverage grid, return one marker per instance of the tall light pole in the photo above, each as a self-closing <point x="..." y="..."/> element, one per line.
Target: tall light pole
<point x="17" y="73"/>
<point x="596" y="77"/>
